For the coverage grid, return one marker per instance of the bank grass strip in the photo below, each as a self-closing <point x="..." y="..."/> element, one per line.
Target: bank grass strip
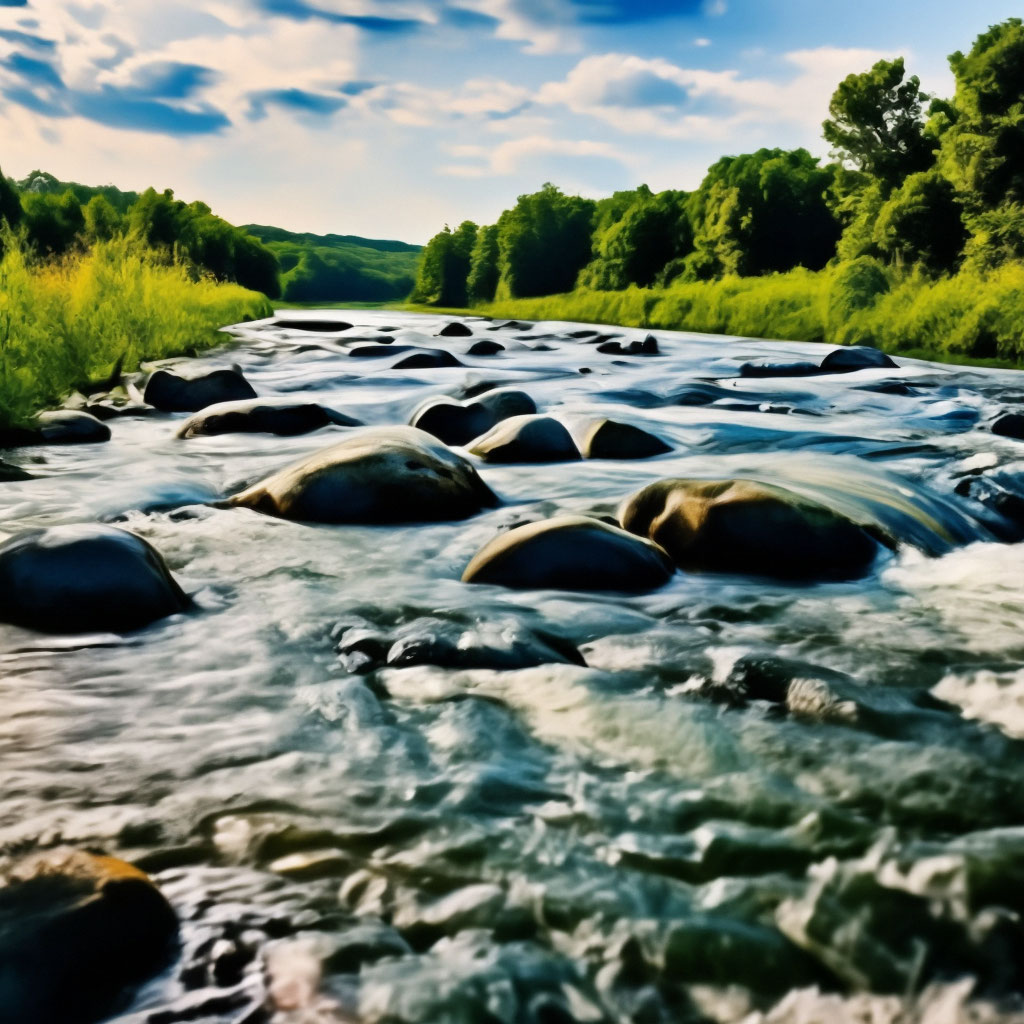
<point x="67" y="322"/>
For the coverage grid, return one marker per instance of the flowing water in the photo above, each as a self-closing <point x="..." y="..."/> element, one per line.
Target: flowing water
<point x="639" y="839"/>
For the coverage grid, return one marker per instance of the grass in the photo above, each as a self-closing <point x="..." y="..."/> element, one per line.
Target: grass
<point x="972" y="317"/>
<point x="69" y="322"/>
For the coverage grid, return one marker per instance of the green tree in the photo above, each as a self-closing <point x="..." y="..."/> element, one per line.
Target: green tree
<point x="876" y="123"/>
<point x="922" y="223"/>
<point x="443" y="272"/>
<point x="635" y="248"/>
<point x="483" y="266"/>
<point x="102" y="221"/>
<point x="543" y="243"/>
<point x="761" y="213"/>
<point x="51" y="223"/>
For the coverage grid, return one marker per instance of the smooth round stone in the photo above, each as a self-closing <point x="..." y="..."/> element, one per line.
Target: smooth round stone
<point x="742" y="526"/>
<point x="458" y="423"/>
<point x="526" y="439"/>
<point x="1010" y="424"/>
<point x="427" y="359"/>
<point x="317" y="326"/>
<point x="70" y="426"/>
<point x="76" y="930"/>
<point x="170" y="392"/>
<point x="609" y="439"/>
<point x="282" y="416"/>
<point x="378" y="475"/>
<point x="485" y="347"/>
<point x="84" y="578"/>
<point x="570" y="553"/>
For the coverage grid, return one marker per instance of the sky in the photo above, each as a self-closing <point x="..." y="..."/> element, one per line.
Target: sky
<point x="390" y="118"/>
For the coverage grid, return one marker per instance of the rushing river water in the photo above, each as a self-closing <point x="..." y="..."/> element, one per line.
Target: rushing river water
<point x="640" y="839"/>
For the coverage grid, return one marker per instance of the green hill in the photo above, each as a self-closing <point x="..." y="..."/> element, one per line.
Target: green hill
<point x="335" y="268"/>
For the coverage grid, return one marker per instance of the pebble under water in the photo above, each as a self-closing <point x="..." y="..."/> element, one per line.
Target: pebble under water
<point x="756" y="801"/>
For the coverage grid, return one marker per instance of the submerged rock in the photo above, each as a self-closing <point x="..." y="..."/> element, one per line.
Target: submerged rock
<point x="320" y="326"/>
<point x="75" y="579"/>
<point x="609" y="439"/>
<point x="526" y="439"/>
<point x="780" y="370"/>
<point x="75" y="930"/>
<point x="647" y="347"/>
<point x="485" y="347"/>
<point x="283" y="416"/>
<point x="169" y="392"/>
<point x="570" y="553"/>
<point x="378" y="475"/>
<point x="742" y="526"/>
<point x="68" y="426"/>
<point x="458" y="423"/>
<point x="1010" y="424"/>
<point x="9" y="473"/>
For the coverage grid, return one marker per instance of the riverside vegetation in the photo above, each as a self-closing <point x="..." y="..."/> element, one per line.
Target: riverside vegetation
<point x="912" y="240"/>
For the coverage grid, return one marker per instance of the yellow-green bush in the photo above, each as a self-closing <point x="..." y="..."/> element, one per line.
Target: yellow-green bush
<point x="64" y="323"/>
<point x="975" y="315"/>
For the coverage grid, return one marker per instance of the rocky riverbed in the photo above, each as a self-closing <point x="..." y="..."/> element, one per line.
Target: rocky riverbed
<point x="499" y="672"/>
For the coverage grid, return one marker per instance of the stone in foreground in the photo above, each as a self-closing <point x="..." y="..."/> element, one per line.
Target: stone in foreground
<point x="84" y="578"/>
<point x="76" y="930"/>
<point x="742" y="526"/>
<point x="379" y="475"/>
<point x="526" y="439"/>
<point x="570" y="553"/>
<point x="282" y="416"/>
<point x="169" y="392"/>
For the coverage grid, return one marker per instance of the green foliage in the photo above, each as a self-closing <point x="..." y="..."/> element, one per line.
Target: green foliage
<point x="102" y="221"/>
<point x="876" y="123"/>
<point x="69" y="320"/>
<point x="636" y="247"/>
<point x="51" y="223"/>
<point x="483" y="266"/>
<point x="193" y="233"/>
<point x="922" y="223"/>
<point x="10" y="203"/>
<point x="983" y="148"/>
<point x="441" y="279"/>
<point x="762" y="213"/>
<point x="46" y="184"/>
<point x="544" y="241"/>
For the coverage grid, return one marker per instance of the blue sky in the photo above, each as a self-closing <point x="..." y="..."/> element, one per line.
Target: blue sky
<point x="388" y="118"/>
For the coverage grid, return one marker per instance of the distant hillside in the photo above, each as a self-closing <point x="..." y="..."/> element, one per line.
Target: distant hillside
<point x="333" y="268"/>
<point x="314" y="268"/>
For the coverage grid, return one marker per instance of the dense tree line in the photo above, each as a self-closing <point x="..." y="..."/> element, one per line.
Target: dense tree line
<point x="915" y="182"/>
<point x="51" y="223"/>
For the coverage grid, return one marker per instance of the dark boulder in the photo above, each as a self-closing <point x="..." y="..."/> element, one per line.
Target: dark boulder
<point x="1009" y="424"/>
<point x="456" y="329"/>
<point x="319" y="326"/>
<point x="609" y="439"/>
<point x="9" y="473"/>
<point x="459" y="422"/>
<point x="427" y="359"/>
<point x="69" y="426"/>
<point x="485" y="347"/>
<point x="526" y="439"/>
<point x="647" y="347"/>
<point x="83" y="578"/>
<point x="169" y="392"/>
<point x="856" y="357"/>
<point x="780" y="370"/>
<point x="570" y="553"/>
<point x="76" y="931"/>
<point x="378" y="475"/>
<point x="742" y="526"/>
<point x="282" y="416"/>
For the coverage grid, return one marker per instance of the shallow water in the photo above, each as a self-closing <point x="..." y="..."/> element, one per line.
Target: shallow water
<point x="627" y="841"/>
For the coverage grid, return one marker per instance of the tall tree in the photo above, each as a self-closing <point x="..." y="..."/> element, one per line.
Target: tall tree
<point x="876" y="123"/>
<point x="441" y="279"/>
<point x="483" y="266"/>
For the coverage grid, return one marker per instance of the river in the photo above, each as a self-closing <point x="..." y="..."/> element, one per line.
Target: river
<point x="638" y="839"/>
